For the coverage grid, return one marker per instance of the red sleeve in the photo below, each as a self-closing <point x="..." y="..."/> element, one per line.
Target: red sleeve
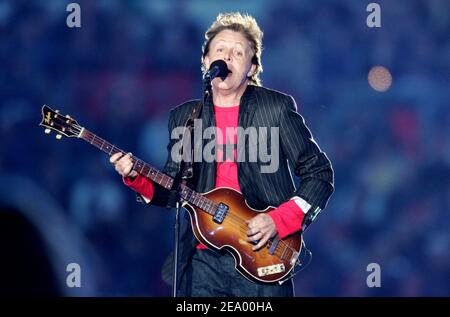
<point x="141" y="184"/>
<point x="288" y="218"/>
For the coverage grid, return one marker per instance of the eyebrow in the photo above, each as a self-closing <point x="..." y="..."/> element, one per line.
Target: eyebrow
<point x="235" y="43"/>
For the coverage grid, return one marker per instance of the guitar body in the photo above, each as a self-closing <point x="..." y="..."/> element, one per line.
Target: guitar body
<point x="264" y="265"/>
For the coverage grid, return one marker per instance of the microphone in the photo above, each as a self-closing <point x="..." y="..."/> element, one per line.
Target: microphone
<point x="218" y="68"/>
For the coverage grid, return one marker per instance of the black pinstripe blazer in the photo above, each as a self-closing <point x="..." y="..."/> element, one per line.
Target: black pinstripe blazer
<point x="259" y="107"/>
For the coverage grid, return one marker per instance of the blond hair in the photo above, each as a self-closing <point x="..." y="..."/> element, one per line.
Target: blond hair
<point x="247" y="26"/>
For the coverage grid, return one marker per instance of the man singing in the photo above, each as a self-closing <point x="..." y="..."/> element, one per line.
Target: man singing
<point x="239" y="101"/>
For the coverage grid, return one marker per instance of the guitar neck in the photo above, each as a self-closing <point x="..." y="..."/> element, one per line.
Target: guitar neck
<point x="139" y="166"/>
<point x="152" y="173"/>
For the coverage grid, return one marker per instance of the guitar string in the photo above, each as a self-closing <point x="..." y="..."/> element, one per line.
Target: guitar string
<point x="237" y="221"/>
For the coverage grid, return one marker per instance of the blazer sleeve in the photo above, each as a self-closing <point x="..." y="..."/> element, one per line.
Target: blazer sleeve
<point x="310" y="164"/>
<point x="161" y="196"/>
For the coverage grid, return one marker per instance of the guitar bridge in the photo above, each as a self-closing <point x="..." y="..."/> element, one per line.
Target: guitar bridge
<point x="220" y="213"/>
<point x="271" y="269"/>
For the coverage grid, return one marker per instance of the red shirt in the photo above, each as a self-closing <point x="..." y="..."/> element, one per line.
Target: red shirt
<point x="288" y="217"/>
<point x="226" y="168"/>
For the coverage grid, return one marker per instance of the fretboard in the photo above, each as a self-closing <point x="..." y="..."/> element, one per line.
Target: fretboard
<point x="152" y="173"/>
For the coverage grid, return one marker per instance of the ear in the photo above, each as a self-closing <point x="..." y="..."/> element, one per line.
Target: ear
<point x="252" y="70"/>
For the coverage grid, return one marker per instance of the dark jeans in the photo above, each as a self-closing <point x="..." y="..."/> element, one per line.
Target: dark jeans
<point x="211" y="274"/>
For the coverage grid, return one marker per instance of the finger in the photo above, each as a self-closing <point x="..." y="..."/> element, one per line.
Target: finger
<point x="259" y="222"/>
<point x="119" y="168"/>
<point x="115" y="157"/>
<point x="124" y="158"/>
<point x="252" y="231"/>
<point x="265" y="228"/>
<point x="251" y="224"/>
<point x="127" y="169"/>
<point x="119" y="165"/>
<point x="255" y="237"/>
<point x="122" y="165"/>
<point x="133" y="173"/>
<point x="261" y="243"/>
<point x="130" y="167"/>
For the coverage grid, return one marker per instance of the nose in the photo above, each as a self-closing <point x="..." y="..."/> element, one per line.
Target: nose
<point x="227" y="56"/>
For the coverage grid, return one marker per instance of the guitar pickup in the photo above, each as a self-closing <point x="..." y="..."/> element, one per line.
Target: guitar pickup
<point x="220" y="213"/>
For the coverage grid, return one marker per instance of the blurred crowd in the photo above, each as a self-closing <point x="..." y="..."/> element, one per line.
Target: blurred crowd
<point x="131" y="61"/>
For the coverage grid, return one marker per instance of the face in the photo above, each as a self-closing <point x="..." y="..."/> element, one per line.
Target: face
<point x="236" y="51"/>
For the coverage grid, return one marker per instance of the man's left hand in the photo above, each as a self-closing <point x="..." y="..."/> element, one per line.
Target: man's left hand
<point x="260" y="228"/>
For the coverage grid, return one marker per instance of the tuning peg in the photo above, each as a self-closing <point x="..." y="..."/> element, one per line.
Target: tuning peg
<point x="67" y="116"/>
<point x="57" y="111"/>
<point x="47" y="131"/>
<point x="58" y="136"/>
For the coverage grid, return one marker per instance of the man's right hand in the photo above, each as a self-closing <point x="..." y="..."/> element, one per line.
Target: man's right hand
<point x="123" y="164"/>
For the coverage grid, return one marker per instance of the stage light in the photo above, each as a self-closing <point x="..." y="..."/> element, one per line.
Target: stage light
<point x="380" y="78"/>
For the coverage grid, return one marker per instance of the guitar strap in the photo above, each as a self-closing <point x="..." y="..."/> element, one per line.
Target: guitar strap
<point x="187" y="170"/>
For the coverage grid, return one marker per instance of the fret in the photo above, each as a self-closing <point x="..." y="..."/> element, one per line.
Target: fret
<point x="101" y="147"/>
<point x="149" y="174"/>
<point x="111" y="148"/>
<point x="183" y="193"/>
<point x="212" y="207"/>
<point x="92" y="141"/>
<point x="144" y="169"/>
<point x="196" y="199"/>
<point x="167" y="181"/>
<point x="169" y="184"/>
<point x="97" y="142"/>
<point x="160" y="179"/>
<point x="202" y="202"/>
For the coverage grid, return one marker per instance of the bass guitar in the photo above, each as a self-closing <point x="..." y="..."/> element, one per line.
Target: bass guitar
<point x="218" y="217"/>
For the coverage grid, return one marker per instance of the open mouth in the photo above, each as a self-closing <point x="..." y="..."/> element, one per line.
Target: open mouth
<point x="228" y="75"/>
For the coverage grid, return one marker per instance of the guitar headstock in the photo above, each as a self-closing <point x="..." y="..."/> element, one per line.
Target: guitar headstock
<point x="64" y="125"/>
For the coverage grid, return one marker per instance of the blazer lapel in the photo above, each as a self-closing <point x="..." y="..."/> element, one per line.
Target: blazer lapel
<point x="207" y="177"/>
<point x="247" y="107"/>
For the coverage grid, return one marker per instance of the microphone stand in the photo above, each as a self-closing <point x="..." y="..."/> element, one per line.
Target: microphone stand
<point x="175" y="195"/>
<point x="185" y="172"/>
